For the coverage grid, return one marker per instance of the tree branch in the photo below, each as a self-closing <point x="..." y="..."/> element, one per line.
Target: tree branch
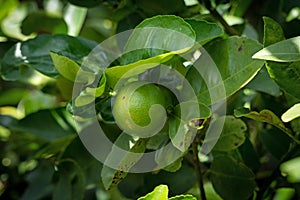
<point x="197" y="165"/>
<point x="218" y="17"/>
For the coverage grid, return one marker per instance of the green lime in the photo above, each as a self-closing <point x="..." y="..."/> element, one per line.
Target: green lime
<point x="140" y="108"/>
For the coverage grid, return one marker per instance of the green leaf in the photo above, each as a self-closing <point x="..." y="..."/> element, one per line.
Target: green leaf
<point x="43" y="22"/>
<point x="75" y="18"/>
<point x="266" y="116"/>
<point x="65" y="66"/>
<point x="232" y="136"/>
<point x="204" y="30"/>
<point x="235" y="66"/>
<point x="71" y="183"/>
<point x="231" y="179"/>
<point x="160" y="192"/>
<point x="264" y="83"/>
<point x="35" y="53"/>
<point x="284" y="74"/>
<point x="183" y="197"/>
<point x="283" y="51"/>
<point x="188" y="117"/>
<point x="6" y="8"/>
<point x="273" y="32"/>
<point x="291" y="113"/>
<point x="52" y="124"/>
<point x="36" y="100"/>
<point x="12" y="96"/>
<point x="114" y="74"/>
<point x="89" y="94"/>
<point x="168" y="158"/>
<point x="291" y="170"/>
<point x="122" y="160"/>
<point x="146" y="41"/>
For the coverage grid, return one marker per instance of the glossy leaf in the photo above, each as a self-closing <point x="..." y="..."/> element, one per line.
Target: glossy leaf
<point x="232" y="136"/>
<point x="114" y="74"/>
<point x="283" y="51"/>
<point x="263" y="116"/>
<point x="231" y="179"/>
<point x="284" y="74"/>
<point x="204" y="30"/>
<point x="236" y="67"/>
<point x="43" y="22"/>
<point x="291" y="113"/>
<point x="35" y="53"/>
<point x="122" y="160"/>
<point x="146" y="41"/>
<point x="160" y="192"/>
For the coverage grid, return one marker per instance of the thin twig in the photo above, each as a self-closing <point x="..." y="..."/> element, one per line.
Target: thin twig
<point x="218" y="17"/>
<point x="198" y="167"/>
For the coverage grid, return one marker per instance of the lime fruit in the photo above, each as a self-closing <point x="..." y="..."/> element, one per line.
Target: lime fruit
<point x="140" y="108"/>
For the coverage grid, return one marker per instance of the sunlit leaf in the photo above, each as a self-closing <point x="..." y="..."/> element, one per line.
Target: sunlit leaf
<point x="284" y="74"/>
<point x="283" y="51"/>
<point x="160" y="192"/>
<point x="291" y="113"/>
<point x="291" y="170"/>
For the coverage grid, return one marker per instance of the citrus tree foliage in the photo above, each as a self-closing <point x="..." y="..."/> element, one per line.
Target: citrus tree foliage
<point x="256" y="49"/>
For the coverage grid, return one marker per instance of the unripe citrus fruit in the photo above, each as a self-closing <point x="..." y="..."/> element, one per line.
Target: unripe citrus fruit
<point x="140" y="108"/>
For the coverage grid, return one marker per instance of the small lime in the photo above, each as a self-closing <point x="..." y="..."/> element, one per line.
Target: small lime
<point x="140" y="108"/>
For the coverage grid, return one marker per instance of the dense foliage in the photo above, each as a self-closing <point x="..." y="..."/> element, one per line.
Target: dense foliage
<point x="53" y="83"/>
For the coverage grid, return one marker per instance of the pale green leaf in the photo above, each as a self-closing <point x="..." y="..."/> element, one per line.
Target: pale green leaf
<point x="183" y="197"/>
<point x="291" y="113"/>
<point x="159" y="193"/>
<point x="291" y="170"/>
<point x="65" y="66"/>
<point x="283" y="51"/>
<point x="284" y="74"/>
<point x="74" y="17"/>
